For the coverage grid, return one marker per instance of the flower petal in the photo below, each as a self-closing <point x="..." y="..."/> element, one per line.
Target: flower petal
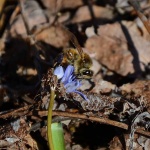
<point x="82" y="95"/>
<point x="59" y="72"/>
<point x="68" y="72"/>
<point x="72" y="86"/>
<point x="69" y="80"/>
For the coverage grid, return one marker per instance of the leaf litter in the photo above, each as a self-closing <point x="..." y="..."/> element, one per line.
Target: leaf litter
<point x="112" y="109"/>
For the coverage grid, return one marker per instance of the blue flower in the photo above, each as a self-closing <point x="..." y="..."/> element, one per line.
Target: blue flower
<point x="69" y="80"/>
<point x="59" y="72"/>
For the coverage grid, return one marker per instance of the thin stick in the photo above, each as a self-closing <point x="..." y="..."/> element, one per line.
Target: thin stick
<point x="15" y="112"/>
<point x="81" y="116"/>
<point x="101" y="120"/>
<point x="142" y="132"/>
<point x="2" y="15"/>
<point x="139" y="12"/>
<point x="2" y="3"/>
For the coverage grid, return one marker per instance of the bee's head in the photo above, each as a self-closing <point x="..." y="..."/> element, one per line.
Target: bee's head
<point x="85" y="73"/>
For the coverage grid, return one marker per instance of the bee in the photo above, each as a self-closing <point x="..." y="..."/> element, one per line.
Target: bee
<point x="79" y="59"/>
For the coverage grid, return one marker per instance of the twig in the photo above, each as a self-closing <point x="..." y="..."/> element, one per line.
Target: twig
<point x="139" y="12"/>
<point x="81" y="116"/>
<point x="23" y="16"/>
<point x="25" y="20"/>
<point x="14" y="112"/>
<point x="2" y="3"/>
<point x="140" y="131"/>
<point x="101" y="120"/>
<point x="2" y="15"/>
<point x="75" y="115"/>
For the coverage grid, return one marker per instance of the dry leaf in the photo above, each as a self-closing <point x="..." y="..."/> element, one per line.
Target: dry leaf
<point x="119" y="52"/>
<point x="83" y="14"/>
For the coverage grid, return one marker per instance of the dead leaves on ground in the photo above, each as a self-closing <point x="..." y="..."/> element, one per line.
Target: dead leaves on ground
<point x="117" y="43"/>
<point x="113" y="48"/>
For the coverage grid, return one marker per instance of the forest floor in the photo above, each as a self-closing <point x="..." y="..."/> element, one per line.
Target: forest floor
<point x="111" y="108"/>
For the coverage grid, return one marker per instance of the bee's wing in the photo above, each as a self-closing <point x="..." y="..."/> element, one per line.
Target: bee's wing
<point x="74" y="41"/>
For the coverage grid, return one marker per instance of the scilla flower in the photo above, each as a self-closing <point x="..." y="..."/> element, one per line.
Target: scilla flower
<point x="69" y="80"/>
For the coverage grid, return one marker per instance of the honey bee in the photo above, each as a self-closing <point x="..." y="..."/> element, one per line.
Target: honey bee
<point x="79" y="59"/>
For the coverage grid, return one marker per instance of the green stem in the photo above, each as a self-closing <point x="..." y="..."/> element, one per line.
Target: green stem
<point x="49" y="119"/>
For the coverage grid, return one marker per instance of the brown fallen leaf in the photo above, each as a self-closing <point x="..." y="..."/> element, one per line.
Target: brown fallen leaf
<point x="55" y="36"/>
<point x="17" y="27"/>
<point x="53" y="4"/>
<point x="116" y="144"/>
<point x="121" y="48"/>
<point x="138" y="88"/>
<point x="102" y="86"/>
<point x="111" y="53"/>
<point x="31" y="142"/>
<point x="83" y="14"/>
<point x="32" y="16"/>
